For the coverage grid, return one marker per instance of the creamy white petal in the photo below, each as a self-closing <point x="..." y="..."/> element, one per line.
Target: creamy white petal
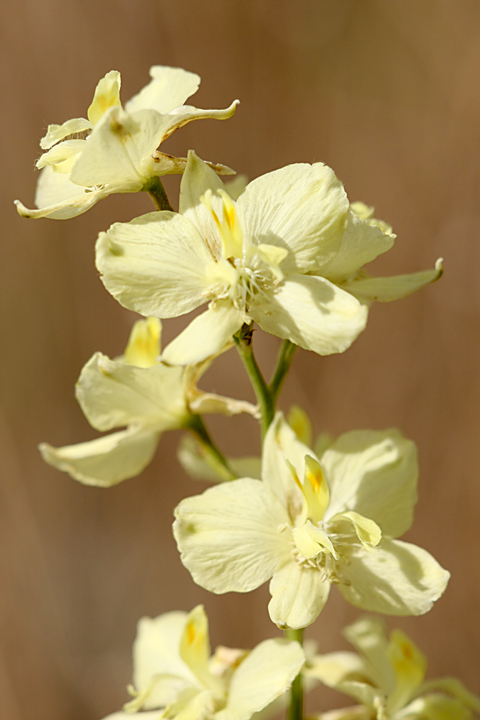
<point x="282" y="444"/>
<point x="434" y="707"/>
<point x="299" y="594"/>
<point x="156" y="652"/>
<point x="336" y="667"/>
<point x="311" y="312"/>
<point x="154" y="264"/>
<point x="374" y="473"/>
<point x="58" y="198"/>
<point x="105" y="461"/>
<point x="168" y="88"/>
<point x="205" y="336"/>
<point x="361" y="243"/>
<point x="386" y="289"/>
<point x="112" y="393"/>
<point x="119" y="149"/>
<point x="228" y="537"/>
<point x="204" y="403"/>
<point x="197" y="179"/>
<point x="302" y="208"/>
<point x="265" y="674"/>
<point x="185" y="114"/>
<point x="368" y="636"/>
<point x="57" y="133"/>
<point x="398" y="578"/>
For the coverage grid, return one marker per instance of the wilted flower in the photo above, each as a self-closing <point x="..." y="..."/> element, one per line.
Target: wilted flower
<point x="312" y="523"/>
<point x="287" y="255"/>
<point x="115" y="150"/>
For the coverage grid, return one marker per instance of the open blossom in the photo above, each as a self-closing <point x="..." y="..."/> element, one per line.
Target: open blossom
<point x="174" y="675"/>
<point x="388" y="678"/>
<point x="115" y="149"/>
<point x="288" y="255"/>
<point x="141" y="393"/>
<point x="309" y="524"/>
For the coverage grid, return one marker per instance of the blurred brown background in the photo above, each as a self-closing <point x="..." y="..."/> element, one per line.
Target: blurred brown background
<point x="384" y="91"/>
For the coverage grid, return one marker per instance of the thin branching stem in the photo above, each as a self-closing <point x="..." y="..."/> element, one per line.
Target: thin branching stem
<point x="215" y="458"/>
<point x="295" y="709"/>
<point x="157" y="192"/>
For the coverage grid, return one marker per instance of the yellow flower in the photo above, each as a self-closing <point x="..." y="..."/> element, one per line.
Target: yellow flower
<point x="288" y="255"/>
<point x="174" y="675"/>
<point x="141" y="393"/>
<point x="309" y="524"/>
<point x="115" y="149"/>
<point x="388" y="678"/>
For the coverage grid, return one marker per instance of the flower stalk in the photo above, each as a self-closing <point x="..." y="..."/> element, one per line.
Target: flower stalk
<point x="215" y="457"/>
<point x="155" y="189"/>
<point x="295" y="708"/>
<point x="266" y="401"/>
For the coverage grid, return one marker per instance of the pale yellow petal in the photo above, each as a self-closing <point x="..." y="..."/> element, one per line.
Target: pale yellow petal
<point x="112" y="393"/>
<point x="167" y="90"/>
<point x="312" y="313"/>
<point x="185" y="114"/>
<point x="206" y="335"/>
<point x="299" y="594"/>
<point x="58" y="198"/>
<point x="368" y="635"/>
<point x="397" y="579"/>
<point x="119" y="150"/>
<point x="374" y="473"/>
<point x="265" y="674"/>
<point x="105" y="461"/>
<point x="302" y="208"/>
<point x="386" y="289"/>
<point x="228" y="537"/>
<point x="361" y="243"/>
<point x="107" y="95"/>
<point x="156" y="653"/>
<point x="57" y="133"/>
<point x="154" y="264"/>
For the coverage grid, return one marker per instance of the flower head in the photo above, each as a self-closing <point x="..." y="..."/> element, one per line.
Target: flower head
<point x="287" y="255"/>
<point x="388" y="678"/>
<point x="141" y="393"/>
<point x="115" y="149"/>
<point x="173" y="671"/>
<point x="313" y="523"/>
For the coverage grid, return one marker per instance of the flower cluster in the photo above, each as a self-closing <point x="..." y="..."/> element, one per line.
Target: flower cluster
<point x="287" y="253"/>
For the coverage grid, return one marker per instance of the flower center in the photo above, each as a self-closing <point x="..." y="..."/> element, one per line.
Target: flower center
<point x="241" y="269"/>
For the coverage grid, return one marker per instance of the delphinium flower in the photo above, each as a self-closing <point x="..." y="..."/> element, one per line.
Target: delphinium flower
<point x="137" y="391"/>
<point x="115" y="149"/>
<point x="387" y="678"/>
<point x="311" y="523"/>
<point x="174" y="675"/>
<point x="287" y="255"/>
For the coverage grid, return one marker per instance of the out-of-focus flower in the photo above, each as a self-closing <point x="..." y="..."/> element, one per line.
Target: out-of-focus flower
<point x="287" y="255"/>
<point x="388" y="678"/>
<point x="311" y="524"/>
<point x="141" y="393"/>
<point x="115" y="149"/>
<point x="173" y="671"/>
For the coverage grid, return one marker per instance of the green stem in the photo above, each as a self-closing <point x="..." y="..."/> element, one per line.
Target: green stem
<point x="265" y="400"/>
<point x="295" y="709"/>
<point x="284" y="360"/>
<point x="157" y="192"/>
<point x="216" y="459"/>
